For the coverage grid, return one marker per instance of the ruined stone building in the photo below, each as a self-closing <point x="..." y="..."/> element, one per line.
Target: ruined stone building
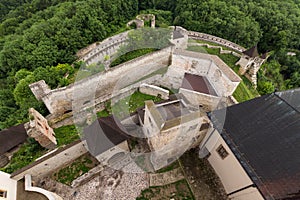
<point x="250" y="63"/>
<point x="140" y="20"/>
<point x="172" y="127"/>
<point x="39" y="129"/>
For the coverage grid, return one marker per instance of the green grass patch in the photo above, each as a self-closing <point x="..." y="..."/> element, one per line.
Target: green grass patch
<point x="178" y="190"/>
<point x="209" y="43"/>
<point x="229" y="59"/>
<point x="76" y="169"/>
<point x="31" y="150"/>
<point x="127" y="105"/>
<point x="66" y="135"/>
<point x="28" y="153"/>
<point x="130" y="56"/>
<point x="245" y="91"/>
<point x="131" y="103"/>
<point x="170" y="167"/>
<point x="103" y="113"/>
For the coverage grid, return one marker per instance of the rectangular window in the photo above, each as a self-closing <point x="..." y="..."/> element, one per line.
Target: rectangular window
<point x="3" y="193"/>
<point x="222" y="152"/>
<point x="204" y="126"/>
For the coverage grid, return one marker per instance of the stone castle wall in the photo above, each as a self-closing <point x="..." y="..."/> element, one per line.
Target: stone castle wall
<point x="217" y="40"/>
<point x="96" y="52"/>
<point x="101" y="86"/>
<point x="221" y="77"/>
<point x="52" y="162"/>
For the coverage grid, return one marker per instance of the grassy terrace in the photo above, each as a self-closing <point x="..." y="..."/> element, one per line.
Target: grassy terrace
<point x="74" y="170"/>
<point x="27" y="153"/>
<point x="31" y="150"/>
<point x="127" y="105"/>
<point x="245" y="90"/>
<point x="209" y="43"/>
<point x="130" y="56"/>
<point x="178" y="190"/>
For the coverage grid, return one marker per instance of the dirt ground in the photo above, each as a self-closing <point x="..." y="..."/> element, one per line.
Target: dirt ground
<point x="108" y="185"/>
<point x="203" y="181"/>
<point x="178" y="190"/>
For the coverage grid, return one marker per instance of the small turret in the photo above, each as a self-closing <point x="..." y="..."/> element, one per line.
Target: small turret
<point x="250" y="62"/>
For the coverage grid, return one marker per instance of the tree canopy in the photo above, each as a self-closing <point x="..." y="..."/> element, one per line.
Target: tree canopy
<point x="39" y="38"/>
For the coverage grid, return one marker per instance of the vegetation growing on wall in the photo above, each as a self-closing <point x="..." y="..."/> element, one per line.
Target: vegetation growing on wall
<point x="27" y="153"/>
<point x="75" y="169"/>
<point x="127" y="105"/>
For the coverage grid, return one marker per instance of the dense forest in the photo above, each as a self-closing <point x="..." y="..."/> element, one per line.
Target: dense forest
<point x="39" y="38"/>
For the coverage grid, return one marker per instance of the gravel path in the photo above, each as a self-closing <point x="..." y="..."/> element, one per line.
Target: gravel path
<point x="109" y="185"/>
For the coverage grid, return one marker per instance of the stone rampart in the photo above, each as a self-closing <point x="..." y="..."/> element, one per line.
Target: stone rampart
<point x="222" y="51"/>
<point x="217" y="40"/>
<point x="51" y="162"/>
<point x="101" y="86"/>
<point x="97" y="51"/>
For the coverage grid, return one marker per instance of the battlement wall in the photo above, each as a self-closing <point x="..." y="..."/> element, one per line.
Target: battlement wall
<point x="102" y="85"/>
<point x="217" y="40"/>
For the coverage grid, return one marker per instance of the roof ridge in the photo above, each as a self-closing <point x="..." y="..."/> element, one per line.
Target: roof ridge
<point x="282" y="99"/>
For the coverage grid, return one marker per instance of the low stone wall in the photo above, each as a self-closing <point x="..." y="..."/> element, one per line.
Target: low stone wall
<point x="51" y="162"/>
<point x="98" y="50"/>
<point x="217" y="40"/>
<point x="222" y="51"/>
<point x="154" y="91"/>
<point x="30" y="188"/>
<point x="166" y="178"/>
<point x="207" y="101"/>
<point x="87" y="176"/>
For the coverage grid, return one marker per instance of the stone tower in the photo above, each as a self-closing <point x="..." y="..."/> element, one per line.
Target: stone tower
<point x="171" y="128"/>
<point x="140" y="20"/>
<point x="39" y="129"/>
<point x="250" y="63"/>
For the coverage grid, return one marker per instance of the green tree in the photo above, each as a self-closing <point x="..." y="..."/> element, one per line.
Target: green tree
<point x="265" y="87"/>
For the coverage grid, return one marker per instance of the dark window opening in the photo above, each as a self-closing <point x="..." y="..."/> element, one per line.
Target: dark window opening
<point x="204" y="126"/>
<point x="67" y="111"/>
<point x="3" y="193"/>
<point x="86" y="102"/>
<point x="222" y="152"/>
<point x="39" y="124"/>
